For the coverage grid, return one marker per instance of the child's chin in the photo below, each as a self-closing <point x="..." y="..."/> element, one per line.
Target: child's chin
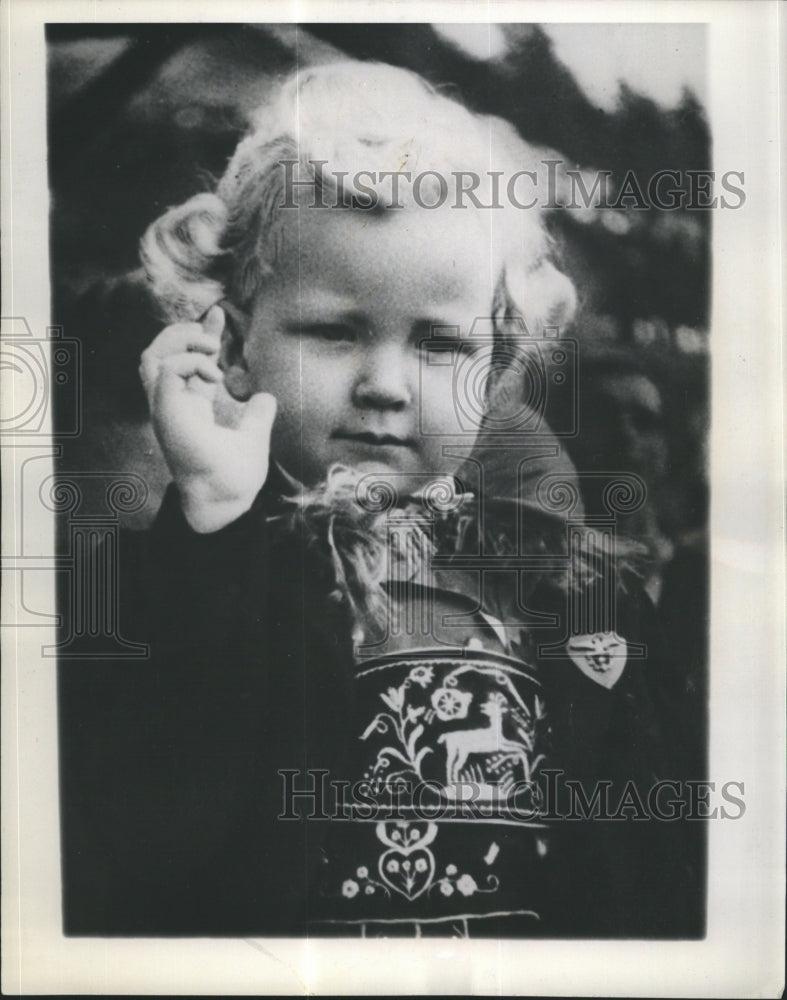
<point x="403" y="478"/>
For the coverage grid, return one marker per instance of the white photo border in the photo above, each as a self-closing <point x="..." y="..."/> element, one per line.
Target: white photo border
<point x="742" y="954"/>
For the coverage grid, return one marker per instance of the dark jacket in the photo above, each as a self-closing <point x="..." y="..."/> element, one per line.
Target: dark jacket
<point x="171" y="767"/>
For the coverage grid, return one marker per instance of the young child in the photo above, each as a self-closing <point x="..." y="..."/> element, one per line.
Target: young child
<point x="363" y="667"/>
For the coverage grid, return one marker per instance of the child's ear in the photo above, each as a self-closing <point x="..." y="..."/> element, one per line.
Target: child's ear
<point x="232" y="359"/>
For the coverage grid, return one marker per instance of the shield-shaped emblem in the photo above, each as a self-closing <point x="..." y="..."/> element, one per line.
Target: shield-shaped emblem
<point x="601" y="657"/>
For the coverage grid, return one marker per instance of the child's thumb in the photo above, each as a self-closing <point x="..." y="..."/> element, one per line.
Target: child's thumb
<point x="213" y="321"/>
<point x="259" y="413"/>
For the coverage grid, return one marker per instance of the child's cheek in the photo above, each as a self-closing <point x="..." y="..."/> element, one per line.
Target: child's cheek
<point x="458" y="393"/>
<point x="448" y="417"/>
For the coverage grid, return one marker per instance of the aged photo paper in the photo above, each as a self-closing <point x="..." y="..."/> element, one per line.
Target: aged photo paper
<point x="392" y="542"/>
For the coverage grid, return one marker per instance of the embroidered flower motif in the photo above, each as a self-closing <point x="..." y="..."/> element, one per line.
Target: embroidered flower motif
<point x="349" y="888"/>
<point x="421" y="865"/>
<point x="392" y="866"/>
<point x="404" y="731"/>
<point x="394" y="698"/>
<point x="422" y="675"/>
<point x="414" y="713"/>
<point x="449" y="703"/>
<point x="466" y="885"/>
<point x="446" y="888"/>
<point x="450" y="869"/>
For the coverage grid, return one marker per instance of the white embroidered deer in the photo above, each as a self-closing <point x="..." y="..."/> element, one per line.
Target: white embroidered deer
<point x="461" y="743"/>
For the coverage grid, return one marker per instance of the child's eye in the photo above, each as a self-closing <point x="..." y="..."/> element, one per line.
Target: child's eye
<point x="454" y="345"/>
<point x="334" y="333"/>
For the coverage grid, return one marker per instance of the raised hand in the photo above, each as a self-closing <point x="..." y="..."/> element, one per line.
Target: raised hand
<point x="217" y="449"/>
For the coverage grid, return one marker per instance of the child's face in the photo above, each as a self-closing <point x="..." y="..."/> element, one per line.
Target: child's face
<point x="336" y="337"/>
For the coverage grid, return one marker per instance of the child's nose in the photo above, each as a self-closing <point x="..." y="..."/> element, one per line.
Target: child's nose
<point x="384" y="381"/>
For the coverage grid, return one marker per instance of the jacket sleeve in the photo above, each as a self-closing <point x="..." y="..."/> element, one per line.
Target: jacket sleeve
<point x="183" y="585"/>
<point x="158" y="752"/>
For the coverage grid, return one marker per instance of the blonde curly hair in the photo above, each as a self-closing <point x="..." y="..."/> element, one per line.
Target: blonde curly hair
<point x="225" y="244"/>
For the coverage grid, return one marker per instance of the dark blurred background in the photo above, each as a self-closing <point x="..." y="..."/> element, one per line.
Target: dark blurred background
<point x="143" y="116"/>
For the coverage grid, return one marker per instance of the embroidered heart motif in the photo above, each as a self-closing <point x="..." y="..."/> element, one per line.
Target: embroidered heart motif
<point x="601" y="657"/>
<point x="410" y="873"/>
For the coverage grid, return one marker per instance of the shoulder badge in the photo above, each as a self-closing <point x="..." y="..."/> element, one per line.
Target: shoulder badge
<point x="601" y="656"/>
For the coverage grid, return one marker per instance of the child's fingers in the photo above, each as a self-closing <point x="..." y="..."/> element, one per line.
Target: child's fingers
<point x="183" y="337"/>
<point x="185" y="364"/>
<point x="189" y="364"/>
<point x="179" y="338"/>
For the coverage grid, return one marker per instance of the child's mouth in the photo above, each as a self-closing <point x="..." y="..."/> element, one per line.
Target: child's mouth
<point x="374" y="440"/>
